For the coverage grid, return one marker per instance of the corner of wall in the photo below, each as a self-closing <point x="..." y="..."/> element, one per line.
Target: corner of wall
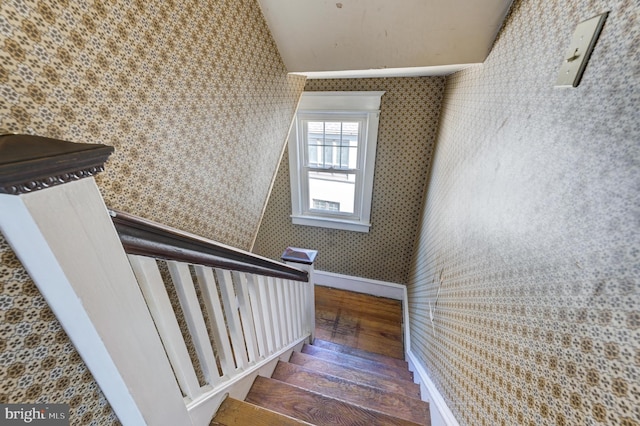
<point x="273" y="178"/>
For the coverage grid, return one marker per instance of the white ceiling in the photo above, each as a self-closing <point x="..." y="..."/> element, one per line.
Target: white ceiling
<point x="369" y="38"/>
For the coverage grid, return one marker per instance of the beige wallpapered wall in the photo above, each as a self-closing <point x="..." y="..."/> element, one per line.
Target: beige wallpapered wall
<point x="531" y="229"/>
<point x="409" y="115"/>
<point x="197" y="103"/>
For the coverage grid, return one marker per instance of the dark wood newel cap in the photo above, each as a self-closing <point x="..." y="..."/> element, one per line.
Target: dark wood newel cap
<point x="299" y="255"/>
<point x="29" y="163"/>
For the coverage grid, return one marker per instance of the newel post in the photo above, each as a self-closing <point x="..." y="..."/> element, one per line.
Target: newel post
<point x="54" y="218"/>
<point x="303" y="259"/>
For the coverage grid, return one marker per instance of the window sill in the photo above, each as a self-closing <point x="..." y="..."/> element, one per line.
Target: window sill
<point x="324" y="222"/>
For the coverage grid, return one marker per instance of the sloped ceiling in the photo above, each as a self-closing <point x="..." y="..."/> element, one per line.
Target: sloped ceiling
<point x="382" y="37"/>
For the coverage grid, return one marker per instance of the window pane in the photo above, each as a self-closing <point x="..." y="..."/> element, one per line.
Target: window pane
<point x="332" y="191"/>
<point x="348" y="157"/>
<point x="315" y="127"/>
<point x="313" y="155"/>
<point x="331" y="206"/>
<point x="328" y="155"/>
<point x="332" y="128"/>
<point x="350" y="128"/>
<point x="332" y="144"/>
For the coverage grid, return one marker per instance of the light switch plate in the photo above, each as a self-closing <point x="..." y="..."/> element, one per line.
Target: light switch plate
<point x="577" y="55"/>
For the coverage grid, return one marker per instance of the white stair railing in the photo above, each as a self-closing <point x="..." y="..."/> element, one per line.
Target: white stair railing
<point x="106" y="286"/>
<point x="253" y="307"/>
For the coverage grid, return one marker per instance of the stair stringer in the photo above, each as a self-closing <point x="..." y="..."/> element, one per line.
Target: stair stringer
<point x="203" y="409"/>
<point x="441" y="414"/>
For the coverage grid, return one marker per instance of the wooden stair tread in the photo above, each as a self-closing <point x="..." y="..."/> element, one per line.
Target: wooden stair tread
<point x="362" y="395"/>
<point x="400" y="363"/>
<point x="313" y="407"/>
<point x="233" y="412"/>
<point x="402" y="387"/>
<point x="357" y="362"/>
<point x="378" y="342"/>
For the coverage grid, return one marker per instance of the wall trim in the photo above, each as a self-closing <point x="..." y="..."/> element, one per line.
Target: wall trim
<point x="360" y="285"/>
<point x="441" y="415"/>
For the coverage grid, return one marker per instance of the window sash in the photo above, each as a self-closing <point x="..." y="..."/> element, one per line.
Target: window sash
<point x="308" y="166"/>
<point x="335" y="187"/>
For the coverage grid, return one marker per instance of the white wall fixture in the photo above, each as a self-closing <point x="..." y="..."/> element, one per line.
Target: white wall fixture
<point x="577" y="55"/>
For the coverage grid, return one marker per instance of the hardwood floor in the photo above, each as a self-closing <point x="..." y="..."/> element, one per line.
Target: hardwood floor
<point x="361" y="321"/>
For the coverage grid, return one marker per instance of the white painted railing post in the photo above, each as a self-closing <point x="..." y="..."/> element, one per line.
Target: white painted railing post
<point x="303" y="259"/>
<point x="54" y="218"/>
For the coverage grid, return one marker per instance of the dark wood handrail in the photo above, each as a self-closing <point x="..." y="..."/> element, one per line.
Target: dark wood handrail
<point x="147" y="238"/>
<point x="29" y="163"/>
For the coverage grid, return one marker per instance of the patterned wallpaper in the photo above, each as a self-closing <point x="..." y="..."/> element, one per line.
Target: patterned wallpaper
<point x="197" y="103"/>
<point x="38" y="362"/>
<point x="531" y="229"/>
<point x="409" y="115"/>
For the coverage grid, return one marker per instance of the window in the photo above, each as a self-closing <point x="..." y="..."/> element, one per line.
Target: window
<point x="332" y="150"/>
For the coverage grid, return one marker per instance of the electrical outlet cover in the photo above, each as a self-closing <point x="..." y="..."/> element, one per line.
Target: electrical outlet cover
<point x="577" y="55"/>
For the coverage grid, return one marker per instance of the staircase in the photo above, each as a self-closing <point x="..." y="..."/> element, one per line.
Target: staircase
<point x="330" y="384"/>
<point x="244" y="313"/>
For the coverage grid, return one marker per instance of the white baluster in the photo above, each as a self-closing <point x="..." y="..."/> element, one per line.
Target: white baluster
<point x="294" y="309"/>
<point x="275" y="311"/>
<point x="233" y="317"/>
<point x="309" y="302"/>
<point x="301" y="308"/>
<point x="258" y="314"/>
<point x="246" y="314"/>
<point x="181" y="276"/>
<point x="290" y="309"/>
<point x="263" y="285"/>
<point x="155" y="294"/>
<point x="296" y="313"/>
<point x="282" y="311"/>
<point x="216" y="316"/>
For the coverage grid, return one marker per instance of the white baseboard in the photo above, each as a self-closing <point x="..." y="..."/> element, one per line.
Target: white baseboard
<point x="359" y="285"/>
<point x="441" y="415"/>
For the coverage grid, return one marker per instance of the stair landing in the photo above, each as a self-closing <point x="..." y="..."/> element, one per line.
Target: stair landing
<point x="360" y="321"/>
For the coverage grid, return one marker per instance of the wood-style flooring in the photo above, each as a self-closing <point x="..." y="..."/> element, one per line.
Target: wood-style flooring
<point x="351" y="374"/>
<point x="360" y="321"/>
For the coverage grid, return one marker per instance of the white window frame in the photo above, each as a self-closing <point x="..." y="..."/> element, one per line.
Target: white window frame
<point x="328" y="106"/>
